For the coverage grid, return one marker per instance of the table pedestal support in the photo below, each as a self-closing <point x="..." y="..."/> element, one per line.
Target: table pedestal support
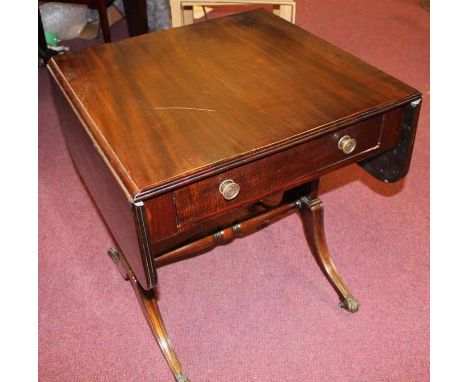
<point x="150" y="308"/>
<point x="311" y="213"/>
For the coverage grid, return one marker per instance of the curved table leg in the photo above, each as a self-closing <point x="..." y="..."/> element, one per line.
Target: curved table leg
<point x="149" y="305"/>
<point x="311" y="212"/>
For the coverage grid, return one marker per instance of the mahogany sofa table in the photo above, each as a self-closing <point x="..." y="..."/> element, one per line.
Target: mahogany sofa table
<point x="191" y="137"/>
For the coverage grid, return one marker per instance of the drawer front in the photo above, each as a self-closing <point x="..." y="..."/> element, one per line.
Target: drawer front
<point x="276" y="172"/>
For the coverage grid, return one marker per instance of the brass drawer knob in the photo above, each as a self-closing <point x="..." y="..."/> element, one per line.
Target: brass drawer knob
<point x="347" y="144"/>
<point x="229" y="189"/>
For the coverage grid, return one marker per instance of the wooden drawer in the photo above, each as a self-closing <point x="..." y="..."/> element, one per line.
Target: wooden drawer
<point x="276" y="172"/>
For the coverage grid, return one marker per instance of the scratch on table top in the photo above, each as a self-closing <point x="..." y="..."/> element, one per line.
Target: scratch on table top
<point x="181" y="108"/>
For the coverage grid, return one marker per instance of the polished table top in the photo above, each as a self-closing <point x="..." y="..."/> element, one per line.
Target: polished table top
<point x="166" y="106"/>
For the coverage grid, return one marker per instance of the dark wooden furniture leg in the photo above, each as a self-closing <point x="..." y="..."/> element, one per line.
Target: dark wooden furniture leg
<point x="42" y="40"/>
<point x="311" y="212"/>
<point x="102" y="10"/>
<point x="44" y="52"/>
<point x="137" y="18"/>
<point x="149" y="305"/>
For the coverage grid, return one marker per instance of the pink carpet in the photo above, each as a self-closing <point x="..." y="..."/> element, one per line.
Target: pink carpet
<point x="258" y="309"/>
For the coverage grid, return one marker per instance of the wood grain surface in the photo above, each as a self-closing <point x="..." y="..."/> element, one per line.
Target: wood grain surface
<point x="176" y="106"/>
<point x="279" y="171"/>
<point x="123" y="218"/>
